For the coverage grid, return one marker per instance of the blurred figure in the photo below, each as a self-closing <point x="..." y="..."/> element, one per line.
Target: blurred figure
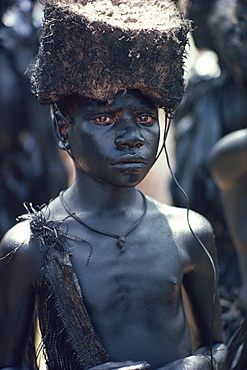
<point x="214" y="106"/>
<point x="210" y="131"/>
<point x="228" y="163"/>
<point x="26" y="141"/>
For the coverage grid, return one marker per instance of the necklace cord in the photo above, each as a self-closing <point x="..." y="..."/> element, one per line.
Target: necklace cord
<point x="121" y="238"/>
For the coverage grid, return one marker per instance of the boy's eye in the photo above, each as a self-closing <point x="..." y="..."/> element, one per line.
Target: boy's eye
<point x="145" y="119"/>
<point x="103" y="120"/>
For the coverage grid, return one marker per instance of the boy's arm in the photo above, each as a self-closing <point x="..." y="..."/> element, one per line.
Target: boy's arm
<point x="201" y="297"/>
<point x="18" y="272"/>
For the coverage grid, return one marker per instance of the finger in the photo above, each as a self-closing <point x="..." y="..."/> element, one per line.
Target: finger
<point x="142" y="365"/>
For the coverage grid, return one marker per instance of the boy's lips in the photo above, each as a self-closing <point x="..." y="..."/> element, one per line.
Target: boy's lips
<point x="130" y="161"/>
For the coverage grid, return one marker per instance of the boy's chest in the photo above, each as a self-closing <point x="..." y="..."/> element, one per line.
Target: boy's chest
<point x="149" y="269"/>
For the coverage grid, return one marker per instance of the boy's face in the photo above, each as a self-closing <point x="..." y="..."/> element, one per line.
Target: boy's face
<point x="115" y="144"/>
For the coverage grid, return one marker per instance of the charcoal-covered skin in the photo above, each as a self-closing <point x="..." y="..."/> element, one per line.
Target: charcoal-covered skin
<point x="101" y="250"/>
<point x="134" y="297"/>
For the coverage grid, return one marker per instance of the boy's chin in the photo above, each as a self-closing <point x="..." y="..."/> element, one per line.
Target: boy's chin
<point x="131" y="180"/>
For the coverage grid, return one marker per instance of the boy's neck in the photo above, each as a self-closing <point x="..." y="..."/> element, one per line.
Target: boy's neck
<point x="90" y="194"/>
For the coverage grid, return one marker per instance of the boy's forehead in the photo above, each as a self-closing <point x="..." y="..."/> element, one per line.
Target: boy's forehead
<point x="133" y="98"/>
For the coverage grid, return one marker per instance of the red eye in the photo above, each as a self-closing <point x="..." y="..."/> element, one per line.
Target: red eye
<point x="145" y="119"/>
<point x="103" y="120"/>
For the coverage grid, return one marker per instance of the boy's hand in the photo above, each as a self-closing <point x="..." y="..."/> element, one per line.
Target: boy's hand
<point x="198" y="362"/>
<point x="124" y="365"/>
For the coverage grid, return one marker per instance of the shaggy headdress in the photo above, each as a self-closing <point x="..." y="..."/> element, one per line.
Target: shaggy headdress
<point x="98" y="48"/>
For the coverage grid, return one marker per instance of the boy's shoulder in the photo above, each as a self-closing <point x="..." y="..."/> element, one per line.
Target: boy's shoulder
<point x="19" y="248"/>
<point x="20" y="255"/>
<point x="18" y="235"/>
<point x="183" y="217"/>
<point x="188" y="228"/>
<point x="191" y="232"/>
<point x="22" y="240"/>
<point x="21" y="245"/>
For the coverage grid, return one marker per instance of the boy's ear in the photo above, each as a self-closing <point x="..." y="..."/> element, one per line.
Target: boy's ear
<point x="61" y="125"/>
<point x="63" y="142"/>
<point x="63" y="130"/>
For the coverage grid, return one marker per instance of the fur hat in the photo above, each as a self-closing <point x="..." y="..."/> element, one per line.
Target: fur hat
<point x="98" y="48"/>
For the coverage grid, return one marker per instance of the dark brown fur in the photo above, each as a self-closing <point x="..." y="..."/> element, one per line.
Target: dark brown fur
<point x="95" y="59"/>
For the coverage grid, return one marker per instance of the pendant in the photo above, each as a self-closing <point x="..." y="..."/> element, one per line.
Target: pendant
<point x="121" y="243"/>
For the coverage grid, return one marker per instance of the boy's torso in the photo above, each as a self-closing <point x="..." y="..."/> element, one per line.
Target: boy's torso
<point x="134" y="298"/>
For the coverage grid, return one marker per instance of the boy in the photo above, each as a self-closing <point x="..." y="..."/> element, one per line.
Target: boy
<point x="106" y="265"/>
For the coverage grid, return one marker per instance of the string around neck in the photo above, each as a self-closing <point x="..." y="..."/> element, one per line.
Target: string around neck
<point x="121" y="238"/>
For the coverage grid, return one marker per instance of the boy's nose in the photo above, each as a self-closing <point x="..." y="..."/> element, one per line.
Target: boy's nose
<point x="131" y="137"/>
